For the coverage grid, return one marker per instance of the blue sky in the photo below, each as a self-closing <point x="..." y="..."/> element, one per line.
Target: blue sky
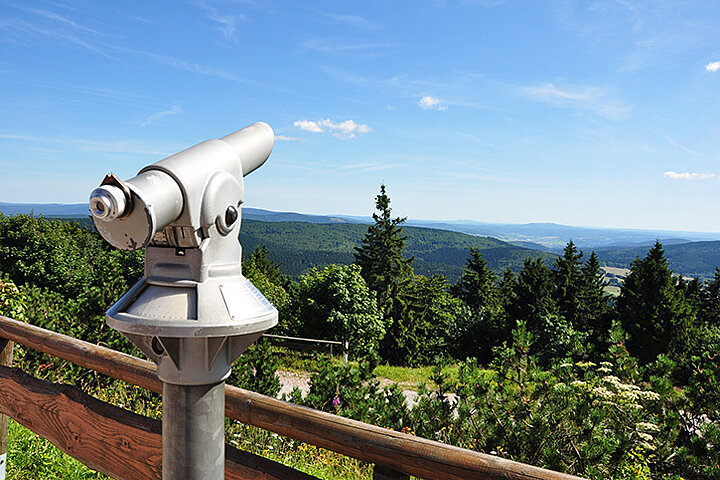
<point x="582" y="113"/>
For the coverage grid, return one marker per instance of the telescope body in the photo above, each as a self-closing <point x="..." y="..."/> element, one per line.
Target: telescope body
<point x="192" y="313"/>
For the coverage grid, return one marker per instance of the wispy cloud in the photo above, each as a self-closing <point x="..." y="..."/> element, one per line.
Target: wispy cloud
<point x="712" y="66"/>
<point x="285" y="138"/>
<point x="354" y="21"/>
<point x="688" y="176"/>
<point x="592" y="98"/>
<point x="21" y="31"/>
<point x="226" y="22"/>
<point x="346" y="129"/>
<point x="134" y="147"/>
<point x="175" y="110"/>
<point x="431" y="103"/>
<point x="181" y="64"/>
<point x="332" y="47"/>
<point x="59" y="18"/>
<point x="682" y="147"/>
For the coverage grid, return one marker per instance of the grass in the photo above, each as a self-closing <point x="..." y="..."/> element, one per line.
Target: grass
<point x="31" y="457"/>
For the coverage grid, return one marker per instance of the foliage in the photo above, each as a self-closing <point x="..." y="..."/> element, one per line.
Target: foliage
<point x="652" y="307"/>
<point x="256" y="370"/>
<point x="335" y="304"/>
<point x="12" y="303"/>
<point x="380" y="256"/>
<point x="430" y="321"/>
<point x="299" y="246"/>
<point x="352" y="390"/>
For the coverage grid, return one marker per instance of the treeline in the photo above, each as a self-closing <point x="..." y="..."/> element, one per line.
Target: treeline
<point x="381" y="305"/>
<point x="300" y="246"/>
<point x="552" y="370"/>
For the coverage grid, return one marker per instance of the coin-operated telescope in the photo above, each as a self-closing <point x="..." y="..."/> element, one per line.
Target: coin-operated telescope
<point x="192" y="313"/>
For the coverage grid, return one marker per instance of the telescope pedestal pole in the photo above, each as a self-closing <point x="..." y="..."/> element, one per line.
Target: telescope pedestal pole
<point x="193" y="432"/>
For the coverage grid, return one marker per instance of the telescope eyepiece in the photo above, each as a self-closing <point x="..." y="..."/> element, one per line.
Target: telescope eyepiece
<point x="107" y="203"/>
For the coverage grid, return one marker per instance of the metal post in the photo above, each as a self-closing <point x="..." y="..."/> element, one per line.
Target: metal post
<point x="193" y="432"/>
<point x="6" y="360"/>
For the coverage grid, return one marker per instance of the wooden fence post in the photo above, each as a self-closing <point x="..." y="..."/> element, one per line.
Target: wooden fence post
<point x="6" y="359"/>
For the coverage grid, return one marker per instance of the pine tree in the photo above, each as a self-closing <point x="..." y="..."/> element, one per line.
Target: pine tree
<point x="594" y="315"/>
<point x="477" y="285"/>
<point x="486" y="327"/>
<point x="651" y="307"/>
<point x="506" y="289"/>
<point x="380" y="256"/>
<point x="710" y="311"/>
<point x="567" y="277"/>
<point x="389" y="274"/>
<point x="533" y="294"/>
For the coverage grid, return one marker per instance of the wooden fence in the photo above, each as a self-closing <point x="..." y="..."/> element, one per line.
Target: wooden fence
<point x="89" y="429"/>
<point x="298" y="343"/>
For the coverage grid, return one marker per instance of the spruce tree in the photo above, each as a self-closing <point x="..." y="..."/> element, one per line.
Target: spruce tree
<point x="380" y="256"/>
<point x="388" y="273"/>
<point x="710" y="311"/>
<point x="533" y="295"/>
<point x="567" y="276"/>
<point x="477" y="285"/>
<point x="486" y="327"/>
<point x="651" y="307"/>
<point x="595" y="314"/>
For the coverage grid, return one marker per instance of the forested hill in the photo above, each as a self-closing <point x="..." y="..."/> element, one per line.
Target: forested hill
<point x="298" y="246"/>
<point x="692" y="259"/>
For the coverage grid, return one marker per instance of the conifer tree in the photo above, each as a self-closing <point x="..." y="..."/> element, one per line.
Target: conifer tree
<point x="380" y="256"/>
<point x="567" y="276"/>
<point x="506" y="289"/>
<point x="477" y="285"/>
<point x="710" y="311"/>
<point x="388" y="273"/>
<point x="486" y="327"/>
<point x="651" y="307"/>
<point x="594" y="315"/>
<point x="533" y="294"/>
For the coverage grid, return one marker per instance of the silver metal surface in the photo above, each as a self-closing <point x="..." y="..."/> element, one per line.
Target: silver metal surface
<point x="192" y="312"/>
<point x="107" y="203"/>
<point x="193" y="442"/>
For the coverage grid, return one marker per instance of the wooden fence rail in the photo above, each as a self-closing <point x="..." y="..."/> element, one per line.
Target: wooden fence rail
<point x="396" y="455"/>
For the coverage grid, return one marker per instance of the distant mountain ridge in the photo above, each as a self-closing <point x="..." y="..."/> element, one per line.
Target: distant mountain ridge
<point x="546" y="236"/>
<point x="443" y="247"/>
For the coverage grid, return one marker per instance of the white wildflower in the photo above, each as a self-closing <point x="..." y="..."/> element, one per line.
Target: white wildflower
<point x="646" y="427"/>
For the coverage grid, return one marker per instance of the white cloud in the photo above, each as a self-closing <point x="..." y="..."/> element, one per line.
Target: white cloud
<point x="688" y="176"/>
<point x="285" y="138"/>
<point x="157" y="116"/>
<point x="308" y="126"/>
<point x="712" y="66"/>
<point x="346" y="129"/>
<point x="588" y="97"/>
<point x="351" y="20"/>
<point x="431" y="103"/>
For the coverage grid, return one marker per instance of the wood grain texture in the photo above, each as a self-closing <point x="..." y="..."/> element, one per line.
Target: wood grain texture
<point x="6" y="359"/>
<point x="109" y="439"/>
<point x="395" y="451"/>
